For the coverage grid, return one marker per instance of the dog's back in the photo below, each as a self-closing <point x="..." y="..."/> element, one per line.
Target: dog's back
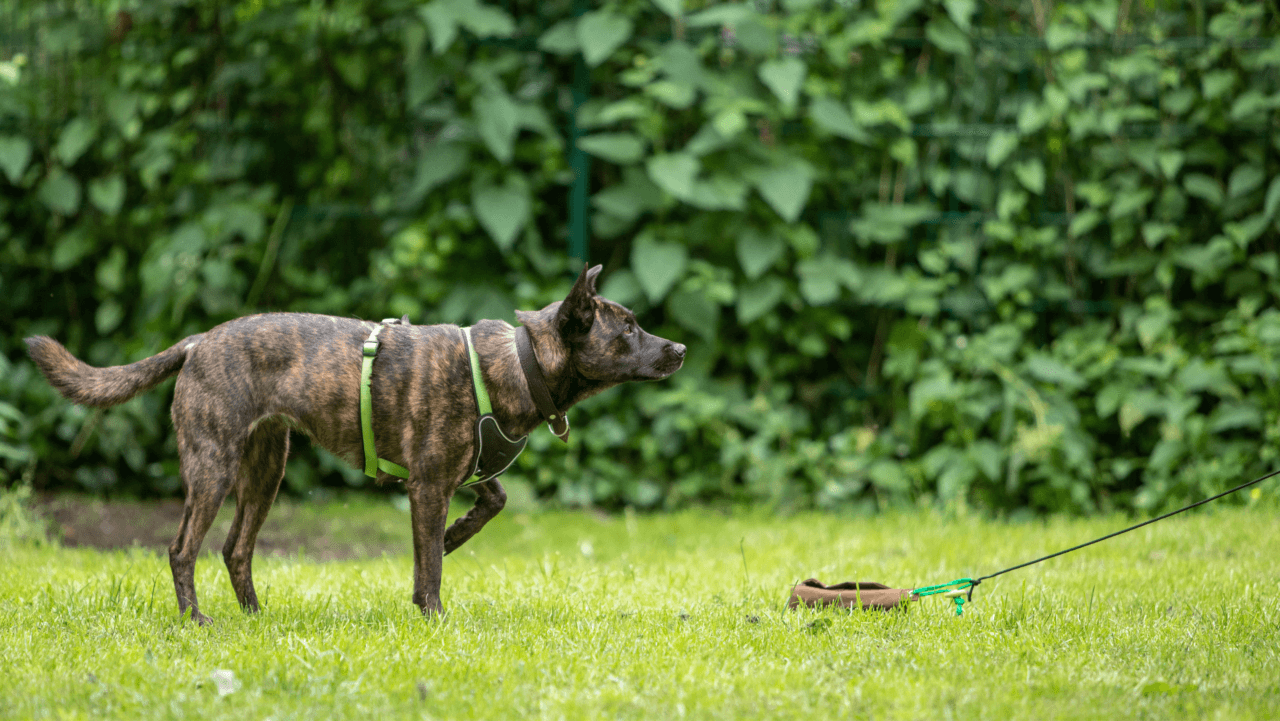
<point x="301" y="366"/>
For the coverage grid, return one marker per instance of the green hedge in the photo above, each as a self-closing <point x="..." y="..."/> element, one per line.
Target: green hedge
<point x="1012" y="254"/>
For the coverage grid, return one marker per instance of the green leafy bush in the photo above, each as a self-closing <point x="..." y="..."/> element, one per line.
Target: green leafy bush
<point x="1011" y="255"/>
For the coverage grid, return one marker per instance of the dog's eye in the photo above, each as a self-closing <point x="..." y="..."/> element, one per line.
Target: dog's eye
<point x="628" y="329"/>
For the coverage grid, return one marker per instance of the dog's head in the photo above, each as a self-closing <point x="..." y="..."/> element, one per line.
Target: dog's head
<point x="601" y="340"/>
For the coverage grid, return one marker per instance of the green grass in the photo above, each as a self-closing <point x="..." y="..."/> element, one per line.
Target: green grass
<point x="569" y="615"/>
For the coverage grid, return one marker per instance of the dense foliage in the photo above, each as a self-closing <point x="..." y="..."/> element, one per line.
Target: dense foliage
<point x="1013" y="253"/>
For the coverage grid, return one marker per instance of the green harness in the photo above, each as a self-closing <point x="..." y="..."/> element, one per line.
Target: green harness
<point x="372" y="463"/>
<point x="496" y="452"/>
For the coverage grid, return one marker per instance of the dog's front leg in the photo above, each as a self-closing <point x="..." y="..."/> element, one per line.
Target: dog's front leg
<point x="428" y="509"/>
<point x="490" y="498"/>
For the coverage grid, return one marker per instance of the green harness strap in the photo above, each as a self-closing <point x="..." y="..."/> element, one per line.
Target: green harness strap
<point x="372" y="463"/>
<point x="482" y="393"/>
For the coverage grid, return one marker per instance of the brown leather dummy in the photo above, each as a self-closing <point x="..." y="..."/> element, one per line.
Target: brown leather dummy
<point x="871" y="595"/>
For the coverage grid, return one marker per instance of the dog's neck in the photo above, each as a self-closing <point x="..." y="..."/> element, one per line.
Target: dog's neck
<point x="513" y="405"/>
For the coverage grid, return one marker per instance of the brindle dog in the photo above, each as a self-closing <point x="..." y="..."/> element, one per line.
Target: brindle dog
<point x="245" y="384"/>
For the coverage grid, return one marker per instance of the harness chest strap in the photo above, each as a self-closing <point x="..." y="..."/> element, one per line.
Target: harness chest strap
<point x="372" y="463"/>
<point x="496" y="451"/>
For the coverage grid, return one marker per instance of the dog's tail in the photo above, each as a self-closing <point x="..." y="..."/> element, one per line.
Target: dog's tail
<point x="81" y="383"/>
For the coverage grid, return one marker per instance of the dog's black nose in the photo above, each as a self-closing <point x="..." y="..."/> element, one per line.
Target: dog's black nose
<point x="678" y="349"/>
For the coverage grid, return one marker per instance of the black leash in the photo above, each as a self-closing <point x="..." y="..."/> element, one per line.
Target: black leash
<point x="1134" y="527"/>
<point x="962" y="589"/>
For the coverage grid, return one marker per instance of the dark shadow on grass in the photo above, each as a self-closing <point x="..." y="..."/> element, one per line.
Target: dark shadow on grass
<point x="357" y="527"/>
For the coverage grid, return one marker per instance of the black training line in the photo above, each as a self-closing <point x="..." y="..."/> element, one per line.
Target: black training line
<point x="1126" y="530"/>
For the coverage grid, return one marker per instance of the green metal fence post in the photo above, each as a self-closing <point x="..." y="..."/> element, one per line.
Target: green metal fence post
<point x="579" y="162"/>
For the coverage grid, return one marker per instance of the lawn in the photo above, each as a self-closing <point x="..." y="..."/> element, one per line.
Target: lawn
<point x="579" y="615"/>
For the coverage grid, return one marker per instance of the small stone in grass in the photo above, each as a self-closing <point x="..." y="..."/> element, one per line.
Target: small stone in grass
<point x="225" y="681"/>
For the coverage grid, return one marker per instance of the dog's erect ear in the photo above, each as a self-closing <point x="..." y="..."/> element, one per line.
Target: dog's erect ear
<point x="578" y="311"/>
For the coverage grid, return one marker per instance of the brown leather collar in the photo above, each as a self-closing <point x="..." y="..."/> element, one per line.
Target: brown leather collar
<point x="556" y="420"/>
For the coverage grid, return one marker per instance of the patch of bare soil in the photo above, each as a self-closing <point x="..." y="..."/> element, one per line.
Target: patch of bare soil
<point x="317" y="531"/>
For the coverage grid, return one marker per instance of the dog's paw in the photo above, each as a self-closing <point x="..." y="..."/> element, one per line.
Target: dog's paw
<point x="198" y="617"/>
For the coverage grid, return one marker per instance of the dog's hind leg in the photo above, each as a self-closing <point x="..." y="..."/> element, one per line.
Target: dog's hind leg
<point x="490" y="498"/>
<point x="261" y="470"/>
<point x="207" y="476"/>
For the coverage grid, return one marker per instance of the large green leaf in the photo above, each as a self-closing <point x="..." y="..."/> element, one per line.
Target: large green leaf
<point x="1084" y="222"/>
<point x="1200" y="375"/>
<point x="1001" y="146"/>
<point x="725" y="14"/>
<point x="600" y="32"/>
<point x="675" y="94"/>
<point x="1170" y="162"/>
<point x="681" y="62"/>
<point x="108" y="316"/>
<point x="622" y="287"/>
<point x="721" y="191"/>
<point x="833" y="116"/>
<point x="1245" y="179"/>
<point x="620" y="148"/>
<point x="111" y="271"/>
<point x="1061" y="35"/>
<point x="657" y="265"/>
<point x="947" y="37"/>
<point x="70" y="248"/>
<point x="1236" y="415"/>
<point x="633" y="196"/>
<point x="693" y="310"/>
<point x="785" y="187"/>
<point x="502" y="209"/>
<point x="76" y="138"/>
<point x="485" y="21"/>
<point x="729" y="122"/>
<point x="497" y="119"/>
<point x="107" y="194"/>
<point x="1033" y="116"/>
<point x="1051" y="370"/>
<point x="961" y="12"/>
<point x="444" y="17"/>
<point x="888" y="223"/>
<point x="1155" y="233"/>
<point x="60" y="192"/>
<point x="784" y="76"/>
<point x="422" y="81"/>
<point x="674" y="8"/>
<point x="15" y="154"/>
<point x="759" y="298"/>
<point x="821" y="278"/>
<point x="674" y="173"/>
<point x="438" y="164"/>
<point x="1246" y="231"/>
<point x="1272" y="202"/>
<point x="1131" y="201"/>
<point x="1204" y="187"/>
<point x="758" y="251"/>
<point x="1031" y="174"/>
<point x="561" y="39"/>
<point x="440" y="20"/>
<point x="880" y="112"/>
<point x="707" y="140"/>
